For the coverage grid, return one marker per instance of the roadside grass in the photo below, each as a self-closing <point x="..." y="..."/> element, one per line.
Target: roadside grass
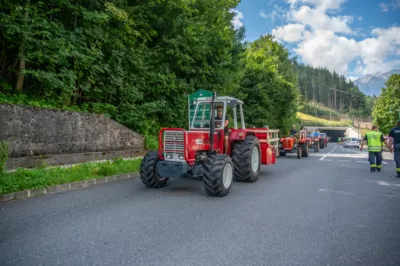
<point x="309" y="120"/>
<point x="43" y="177"/>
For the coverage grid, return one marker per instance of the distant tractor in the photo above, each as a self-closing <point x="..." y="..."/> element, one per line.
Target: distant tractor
<point x="200" y="153"/>
<point x="323" y="142"/>
<point x="300" y="144"/>
<point x="315" y="143"/>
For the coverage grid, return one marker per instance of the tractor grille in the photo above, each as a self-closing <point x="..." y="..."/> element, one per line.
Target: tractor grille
<point x="174" y="146"/>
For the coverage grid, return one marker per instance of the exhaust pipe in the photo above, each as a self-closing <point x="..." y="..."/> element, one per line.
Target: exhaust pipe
<point x="212" y="123"/>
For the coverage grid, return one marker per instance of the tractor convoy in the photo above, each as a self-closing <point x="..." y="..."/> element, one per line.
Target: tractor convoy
<point x="214" y="152"/>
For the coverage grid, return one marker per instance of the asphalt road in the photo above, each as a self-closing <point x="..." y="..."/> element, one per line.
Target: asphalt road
<point x="327" y="209"/>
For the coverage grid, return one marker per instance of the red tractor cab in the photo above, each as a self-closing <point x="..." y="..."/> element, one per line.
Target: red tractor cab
<point x="200" y="152"/>
<point x="299" y="143"/>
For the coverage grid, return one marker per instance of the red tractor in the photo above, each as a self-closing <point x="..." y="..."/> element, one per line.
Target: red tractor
<point x="300" y="144"/>
<point x="200" y="152"/>
<point x="316" y="143"/>
<point x="323" y="140"/>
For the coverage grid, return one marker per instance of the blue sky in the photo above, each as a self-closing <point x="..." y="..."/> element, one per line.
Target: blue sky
<point x="352" y="37"/>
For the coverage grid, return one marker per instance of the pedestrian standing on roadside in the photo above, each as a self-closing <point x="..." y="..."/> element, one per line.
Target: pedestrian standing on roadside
<point x="394" y="144"/>
<point x="375" y="141"/>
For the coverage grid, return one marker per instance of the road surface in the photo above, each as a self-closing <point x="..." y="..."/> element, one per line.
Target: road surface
<point x="327" y="209"/>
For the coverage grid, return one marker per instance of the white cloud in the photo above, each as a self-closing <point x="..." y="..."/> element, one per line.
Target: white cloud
<point x="394" y="4"/>
<point x="318" y="20"/>
<point x="360" y="18"/>
<point x="384" y="7"/>
<point x="263" y="14"/>
<point x="324" y="48"/>
<point x="289" y="32"/>
<point x="352" y="78"/>
<point x="319" y="43"/>
<point x="237" y="23"/>
<point x="375" y="51"/>
<point x="277" y="13"/>
<point x="322" y="5"/>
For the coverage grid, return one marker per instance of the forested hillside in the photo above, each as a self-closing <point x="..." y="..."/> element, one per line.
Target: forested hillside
<point x="137" y="61"/>
<point x="332" y="91"/>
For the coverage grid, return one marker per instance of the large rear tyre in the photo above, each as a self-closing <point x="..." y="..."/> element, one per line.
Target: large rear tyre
<point x="316" y="146"/>
<point x="321" y="144"/>
<point x="305" y="148"/>
<point x="218" y="175"/>
<point x="148" y="172"/>
<point x="299" y="151"/>
<point x="246" y="157"/>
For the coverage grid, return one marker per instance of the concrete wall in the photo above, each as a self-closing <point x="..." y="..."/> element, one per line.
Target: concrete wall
<point x="365" y="125"/>
<point x="35" y="131"/>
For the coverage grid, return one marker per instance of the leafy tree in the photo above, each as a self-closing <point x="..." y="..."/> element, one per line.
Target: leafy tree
<point x="387" y="106"/>
<point x="270" y="99"/>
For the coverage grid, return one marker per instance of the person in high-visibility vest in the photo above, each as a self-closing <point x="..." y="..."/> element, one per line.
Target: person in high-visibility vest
<point x="375" y="141"/>
<point x="394" y="143"/>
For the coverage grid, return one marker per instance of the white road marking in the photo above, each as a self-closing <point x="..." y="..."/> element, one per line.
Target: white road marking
<point x="363" y="153"/>
<point x="333" y="191"/>
<point x="362" y="162"/>
<point x="390" y="196"/>
<point x="346" y="161"/>
<point x="384" y="183"/>
<point x="327" y="154"/>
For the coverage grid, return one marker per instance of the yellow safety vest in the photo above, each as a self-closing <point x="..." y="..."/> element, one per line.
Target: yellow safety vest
<point x="374" y="141"/>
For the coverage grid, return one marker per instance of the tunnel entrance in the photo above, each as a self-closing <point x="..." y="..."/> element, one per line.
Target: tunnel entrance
<point x="334" y="134"/>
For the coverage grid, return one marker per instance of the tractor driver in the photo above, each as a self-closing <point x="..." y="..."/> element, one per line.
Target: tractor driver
<point x="218" y="121"/>
<point x="293" y="131"/>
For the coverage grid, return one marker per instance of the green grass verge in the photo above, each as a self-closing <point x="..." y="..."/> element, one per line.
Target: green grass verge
<point x="309" y="120"/>
<point x="23" y="179"/>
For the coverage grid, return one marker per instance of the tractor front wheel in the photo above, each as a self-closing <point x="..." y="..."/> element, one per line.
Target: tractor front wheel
<point x="148" y="172"/>
<point x="218" y="175"/>
<point x="246" y="157"/>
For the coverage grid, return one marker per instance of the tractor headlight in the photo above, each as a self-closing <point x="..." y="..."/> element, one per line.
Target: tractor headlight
<point x="169" y="156"/>
<point x="181" y="157"/>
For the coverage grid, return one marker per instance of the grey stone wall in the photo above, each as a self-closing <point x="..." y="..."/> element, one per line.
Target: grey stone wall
<point x="36" y="131"/>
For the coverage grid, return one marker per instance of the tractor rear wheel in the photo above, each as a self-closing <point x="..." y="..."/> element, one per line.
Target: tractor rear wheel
<point x="321" y="144"/>
<point x="305" y="148"/>
<point x="218" y="175"/>
<point x="148" y="172"/>
<point x="299" y="151"/>
<point x="246" y="157"/>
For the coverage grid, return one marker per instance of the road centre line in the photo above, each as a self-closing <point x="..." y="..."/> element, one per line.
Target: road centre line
<point x="321" y="159"/>
<point x="347" y="161"/>
<point x="334" y="191"/>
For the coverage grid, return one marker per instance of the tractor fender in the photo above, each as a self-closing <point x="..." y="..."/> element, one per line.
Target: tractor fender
<point x="238" y="134"/>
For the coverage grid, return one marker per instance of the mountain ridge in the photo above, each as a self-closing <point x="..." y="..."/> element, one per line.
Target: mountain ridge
<point x="372" y="84"/>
